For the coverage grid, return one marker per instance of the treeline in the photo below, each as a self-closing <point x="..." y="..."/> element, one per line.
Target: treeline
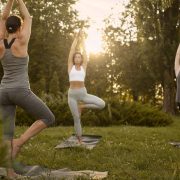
<point x="138" y="61"/>
<point x="141" y="49"/>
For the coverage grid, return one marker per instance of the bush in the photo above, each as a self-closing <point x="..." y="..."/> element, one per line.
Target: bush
<point x="142" y="114"/>
<point x="129" y="113"/>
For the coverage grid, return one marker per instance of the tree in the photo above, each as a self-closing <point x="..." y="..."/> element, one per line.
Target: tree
<point x="158" y="21"/>
<point x="54" y="84"/>
<point x="153" y="42"/>
<point x="54" y="22"/>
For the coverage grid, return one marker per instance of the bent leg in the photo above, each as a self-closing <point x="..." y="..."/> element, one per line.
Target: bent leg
<point x="93" y="102"/>
<point x="34" y="106"/>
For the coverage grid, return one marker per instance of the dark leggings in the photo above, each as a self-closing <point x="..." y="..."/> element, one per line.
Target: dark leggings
<point x="26" y="99"/>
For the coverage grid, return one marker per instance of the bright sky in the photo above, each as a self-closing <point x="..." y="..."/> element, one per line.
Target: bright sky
<point x="97" y="11"/>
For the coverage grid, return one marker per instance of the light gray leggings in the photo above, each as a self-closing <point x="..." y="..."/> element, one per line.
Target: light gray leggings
<point x="27" y="100"/>
<point x="89" y="101"/>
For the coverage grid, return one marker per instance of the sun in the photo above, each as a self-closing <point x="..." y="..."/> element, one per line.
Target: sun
<point x="94" y="41"/>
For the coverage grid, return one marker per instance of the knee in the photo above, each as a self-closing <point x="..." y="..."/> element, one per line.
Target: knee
<point x="102" y="104"/>
<point x="50" y="120"/>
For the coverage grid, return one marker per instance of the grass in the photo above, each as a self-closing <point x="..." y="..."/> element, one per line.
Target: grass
<point x="127" y="152"/>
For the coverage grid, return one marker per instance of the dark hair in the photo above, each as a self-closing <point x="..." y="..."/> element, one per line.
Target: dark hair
<point x="74" y="55"/>
<point x="13" y="23"/>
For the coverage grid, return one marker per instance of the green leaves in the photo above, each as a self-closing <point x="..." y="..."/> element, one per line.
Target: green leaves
<point x="53" y="23"/>
<point x="142" y="45"/>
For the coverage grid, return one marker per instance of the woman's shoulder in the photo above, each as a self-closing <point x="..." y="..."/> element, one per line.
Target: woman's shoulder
<point x="70" y="68"/>
<point x="83" y="68"/>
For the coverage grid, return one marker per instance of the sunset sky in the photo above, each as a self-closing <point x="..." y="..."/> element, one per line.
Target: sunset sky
<point x="97" y="11"/>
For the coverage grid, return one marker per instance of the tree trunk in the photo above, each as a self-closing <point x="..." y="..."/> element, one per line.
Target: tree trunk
<point x="169" y="105"/>
<point x="170" y="36"/>
<point x="135" y="95"/>
<point x="109" y="111"/>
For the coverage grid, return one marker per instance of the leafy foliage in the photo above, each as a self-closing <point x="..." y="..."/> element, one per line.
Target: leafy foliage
<point x="115" y="113"/>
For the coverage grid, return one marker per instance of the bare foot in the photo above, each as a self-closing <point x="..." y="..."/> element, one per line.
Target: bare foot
<point x="16" y="146"/>
<point x="11" y="174"/>
<point x="79" y="139"/>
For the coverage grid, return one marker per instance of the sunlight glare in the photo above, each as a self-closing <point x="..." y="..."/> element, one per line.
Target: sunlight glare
<point x="93" y="41"/>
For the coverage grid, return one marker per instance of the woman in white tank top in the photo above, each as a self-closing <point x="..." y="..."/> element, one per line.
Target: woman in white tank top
<point x="78" y="98"/>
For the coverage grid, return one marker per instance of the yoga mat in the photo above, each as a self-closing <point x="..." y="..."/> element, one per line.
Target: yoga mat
<point x="88" y="142"/>
<point x="175" y="144"/>
<point x="37" y="172"/>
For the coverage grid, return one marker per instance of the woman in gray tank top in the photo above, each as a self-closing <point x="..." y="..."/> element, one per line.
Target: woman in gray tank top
<point x="15" y="88"/>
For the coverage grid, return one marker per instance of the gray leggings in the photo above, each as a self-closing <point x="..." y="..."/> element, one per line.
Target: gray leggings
<point x="89" y="101"/>
<point x="25" y="99"/>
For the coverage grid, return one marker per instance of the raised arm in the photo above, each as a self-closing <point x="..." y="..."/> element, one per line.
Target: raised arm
<point x="4" y="16"/>
<point x="26" y="27"/>
<point x="177" y="62"/>
<point x="84" y="53"/>
<point x="72" y="51"/>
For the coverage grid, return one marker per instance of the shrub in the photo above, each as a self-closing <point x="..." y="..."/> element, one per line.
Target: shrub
<point x="130" y="113"/>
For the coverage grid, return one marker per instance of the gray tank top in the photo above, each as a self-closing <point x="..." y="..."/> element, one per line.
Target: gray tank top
<point x="15" y="69"/>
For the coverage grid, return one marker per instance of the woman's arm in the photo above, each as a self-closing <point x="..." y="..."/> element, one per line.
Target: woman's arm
<point x="177" y="62"/>
<point x="72" y="51"/>
<point x="84" y="53"/>
<point x="26" y="27"/>
<point x="4" y="16"/>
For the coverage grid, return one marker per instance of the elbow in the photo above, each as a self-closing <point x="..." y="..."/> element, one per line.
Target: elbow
<point x="4" y="17"/>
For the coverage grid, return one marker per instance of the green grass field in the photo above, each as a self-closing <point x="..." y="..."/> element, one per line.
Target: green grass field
<point x="126" y="152"/>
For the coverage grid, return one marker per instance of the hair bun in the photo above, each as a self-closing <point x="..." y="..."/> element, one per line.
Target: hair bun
<point x="13" y="23"/>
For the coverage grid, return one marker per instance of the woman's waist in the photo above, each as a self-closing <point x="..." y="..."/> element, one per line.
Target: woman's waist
<point x="77" y="84"/>
<point x="15" y="79"/>
<point x="14" y="83"/>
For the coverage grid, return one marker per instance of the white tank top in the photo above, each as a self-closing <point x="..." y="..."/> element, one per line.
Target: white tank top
<point x="77" y="75"/>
